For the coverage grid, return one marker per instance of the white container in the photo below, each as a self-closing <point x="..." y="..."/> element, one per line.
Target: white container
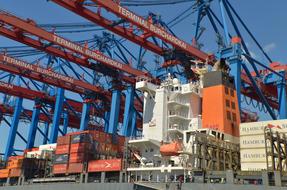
<point x="253" y="155"/>
<point x="253" y="166"/>
<point x="49" y="147"/>
<point x="34" y="154"/>
<point x="252" y="143"/>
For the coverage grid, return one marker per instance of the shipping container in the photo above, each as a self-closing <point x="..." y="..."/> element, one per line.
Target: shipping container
<point x="108" y="138"/>
<point x="253" y="155"/>
<point x="15" y="163"/>
<point x="252" y="143"/>
<point x="105" y="165"/>
<point x="95" y="135"/>
<point x="81" y="147"/>
<point x="48" y="147"/>
<point x="34" y="154"/>
<point x="63" y="140"/>
<point x="4" y="173"/>
<point x="101" y="148"/>
<point x="102" y="137"/>
<point x="16" y="172"/>
<point x="61" y="159"/>
<point x="63" y="149"/>
<point x="75" y="168"/>
<point x="121" y="140"/>
<point x="258" y="127"/>
<point x="79" y="157"/>
<point x="81" y="138"/>
<point x="60" y="168"/>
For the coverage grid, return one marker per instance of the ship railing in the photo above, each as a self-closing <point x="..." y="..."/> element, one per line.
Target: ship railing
<point x="177" y="113"/>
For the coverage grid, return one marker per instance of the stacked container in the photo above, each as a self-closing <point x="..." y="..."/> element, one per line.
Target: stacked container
<point x="15" y="164"/>
<point x="61" y="158"/>
<point x="75" y="150"/>
<point x="81" y="152"/>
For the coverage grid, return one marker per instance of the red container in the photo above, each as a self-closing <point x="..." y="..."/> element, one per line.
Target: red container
<point x="121" y="140"/>
<point x="79" y="157"/>
<point x="101" y="148"/>
<point x="102" y="137"/>
<point x="60" y="168"/>
<point x="105" y="165"/>
<point x="16" y="172"/>
<point x="108" y="148"/>
<point x="121" y="149"/>
<point x="75" y="168"/>
<point x="80" y="147"/>
<point x="95" y="135"/>
<point x="62" y="149"/>
<point x="78" y="132"/>
<point x="63" y="140"/>
<point x="114" y="149"/>
<point x="108" y="138"/>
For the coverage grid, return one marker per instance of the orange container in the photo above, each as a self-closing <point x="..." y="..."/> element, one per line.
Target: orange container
<point x="62" y="149"/>
<point x="78" y="157"/>
<point x="15" y="163"/>
<point x="4" y="173"/>
<point x="121" y="140"/>
<point x="108" y="138"/>
<point x="80" y="147"/>
<point x="105" y="165"/>
<point x="16" y="157"/>
<point x="101" y="148"/>
<point x="102" y="137"/>
<point x="16" y="172"/>
<point x="95" y="135"/>
<point x="108" y="148"/>
<point x="121" y="149"/>
<point x="60" y="168"/>
<point x="64" y="140"/>
<point x="75" y="168"/>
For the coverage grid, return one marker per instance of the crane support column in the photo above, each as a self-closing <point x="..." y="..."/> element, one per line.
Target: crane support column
<point x="107" y="118"/>
<point x="226" y="33"/>
<point x="85" y="115"/>
<point x="115" y="110"/>
<point x="57" y="115"/>
<point x="65" y="122"/>
<point x="281" y="91"/>
<point x="133" y="130"/>
<point x="129" y="103"/>
<point x="45" y="139"/>
<point x="34" y="125"/>
<point x="235" y="67"/>
<point x="13" y="129"/>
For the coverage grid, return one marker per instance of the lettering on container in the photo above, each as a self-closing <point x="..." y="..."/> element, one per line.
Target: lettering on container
<point x="259" y="128"/>
<point x="253" y="155"/>
<point x="248" y="142"/>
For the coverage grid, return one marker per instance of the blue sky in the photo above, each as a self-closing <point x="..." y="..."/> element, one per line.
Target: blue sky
<point x="266" y="19"/>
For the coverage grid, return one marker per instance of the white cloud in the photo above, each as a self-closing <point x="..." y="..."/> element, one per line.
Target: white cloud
<point x="269" y="47"/>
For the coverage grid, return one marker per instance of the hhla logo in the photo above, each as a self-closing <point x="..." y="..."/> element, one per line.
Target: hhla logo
<point x="108" y="165"/>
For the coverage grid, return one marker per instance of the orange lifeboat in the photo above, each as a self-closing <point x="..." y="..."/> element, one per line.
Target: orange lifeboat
<point x="171" y="149"/>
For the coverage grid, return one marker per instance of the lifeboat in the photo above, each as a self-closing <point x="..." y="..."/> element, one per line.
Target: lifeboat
<point x="171" y="149"/>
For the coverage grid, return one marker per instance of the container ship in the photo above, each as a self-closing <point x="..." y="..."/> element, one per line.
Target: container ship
<point x="182" y="128"/>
